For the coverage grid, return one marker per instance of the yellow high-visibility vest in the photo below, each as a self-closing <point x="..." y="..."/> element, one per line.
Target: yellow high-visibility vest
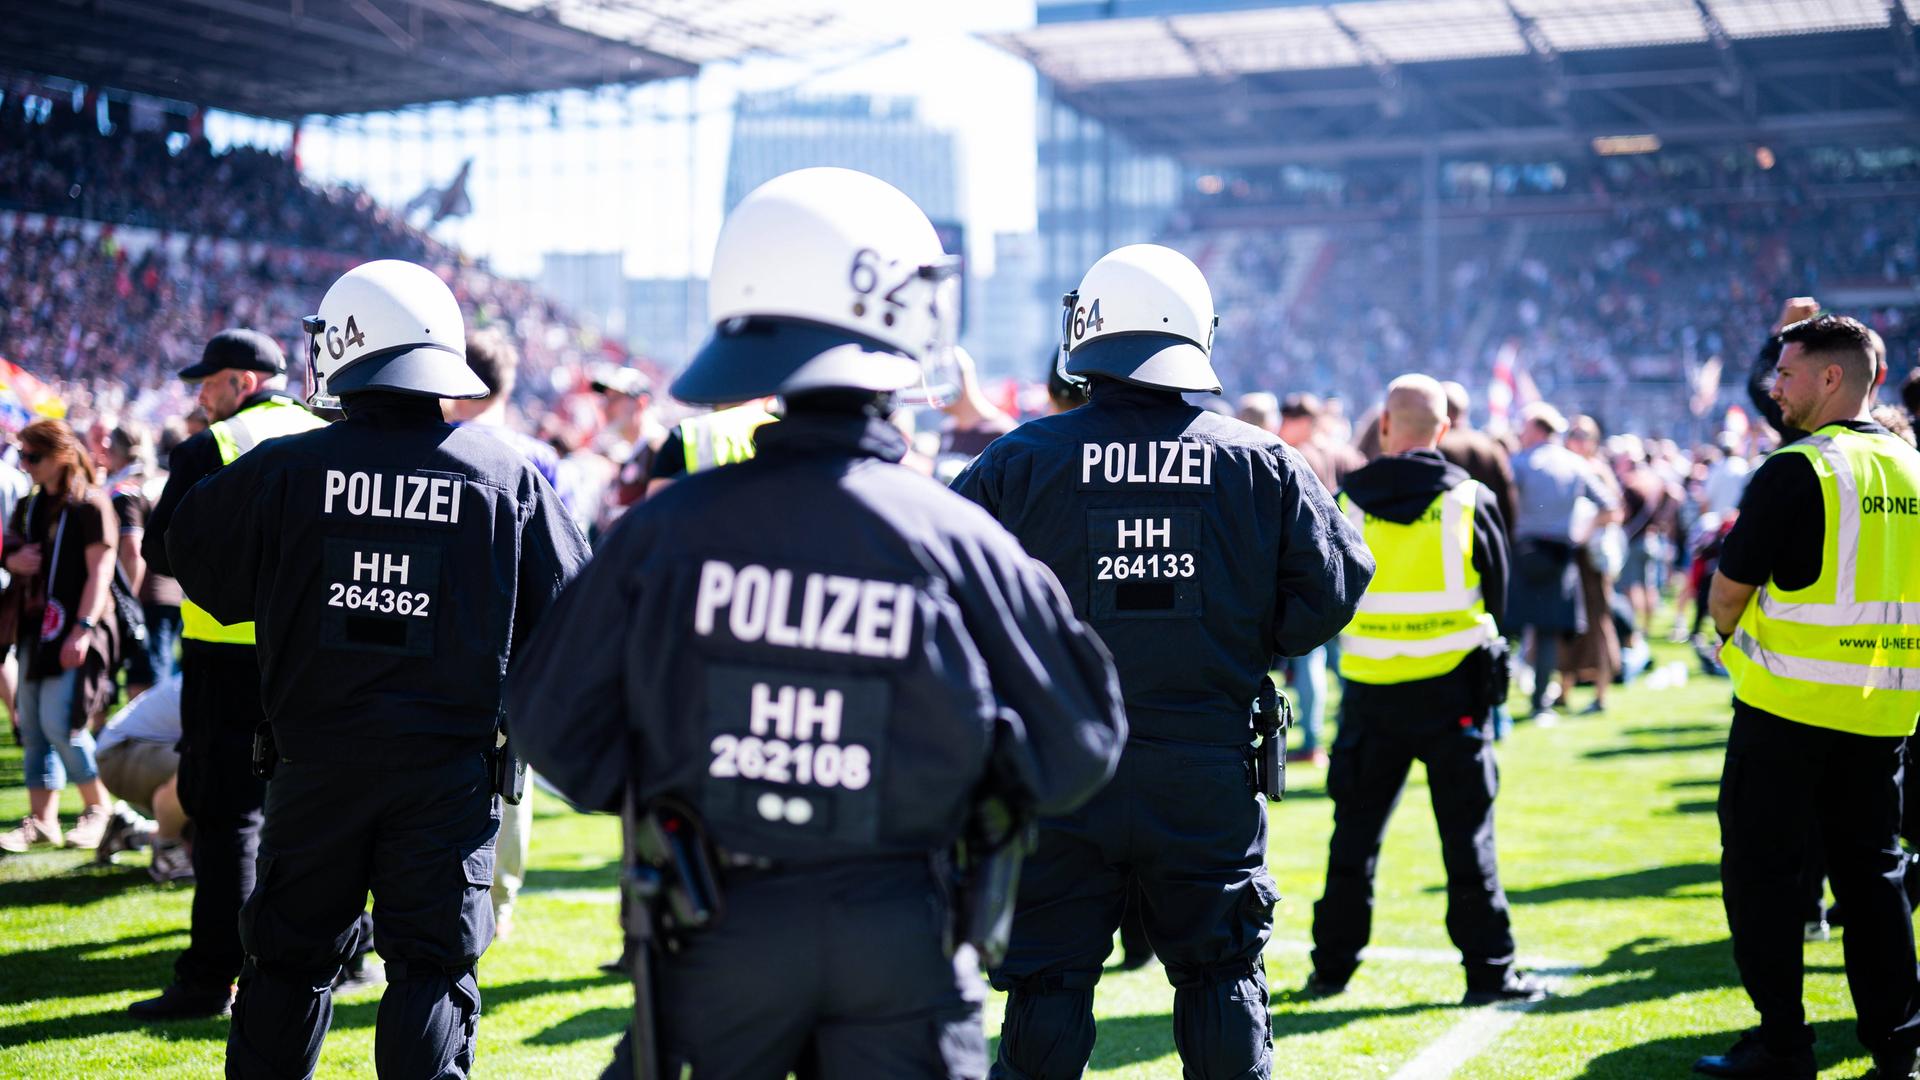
<point x="234" y="436"/>
<point x="1423" y="613"/>
<point x="1844" y="652"/>
<point x="721" y="438"/>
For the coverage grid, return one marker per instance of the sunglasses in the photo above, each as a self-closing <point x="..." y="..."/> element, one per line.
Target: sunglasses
<point x="32" y="458"/>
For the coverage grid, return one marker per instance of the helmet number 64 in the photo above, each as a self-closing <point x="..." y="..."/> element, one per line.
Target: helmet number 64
<point x="338" y="340"/>
<point x="1087" y="318"/>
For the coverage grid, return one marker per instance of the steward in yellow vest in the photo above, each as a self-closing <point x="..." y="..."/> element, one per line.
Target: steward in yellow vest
<point x="1421" y="660"/>
<point x="239" y="378"/>
<point x="708" y="441"/>
<point x="1818" y="597"/>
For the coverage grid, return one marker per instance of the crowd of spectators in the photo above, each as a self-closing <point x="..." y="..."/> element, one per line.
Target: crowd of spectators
<point x="1615" y="301"/>
<point x="57" y="161"/>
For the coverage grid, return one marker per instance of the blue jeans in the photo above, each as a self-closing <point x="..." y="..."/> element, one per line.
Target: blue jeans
<point x="45" y="705"/>
<point x="1308" y="677"/>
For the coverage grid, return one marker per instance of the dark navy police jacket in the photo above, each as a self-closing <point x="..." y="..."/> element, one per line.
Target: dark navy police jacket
<point x="1198" y="546"/>
<point x="391" y="562"/>
<point x="816" y="648"/>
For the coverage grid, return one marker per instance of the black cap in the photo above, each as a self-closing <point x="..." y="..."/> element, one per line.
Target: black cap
<point x="238" y="350"/>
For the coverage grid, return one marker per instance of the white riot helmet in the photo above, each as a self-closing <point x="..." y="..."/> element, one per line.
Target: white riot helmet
<point x="388" y="325"/>
<point x="827" y="279"/>
<point x="1143" y="315"/>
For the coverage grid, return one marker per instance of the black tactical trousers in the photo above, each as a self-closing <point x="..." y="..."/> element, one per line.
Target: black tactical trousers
<point x="1366" y="773"/>
<point x="219" y="709"/>
<point x="1182" y="823"/>
<point x="1787" y="787"/>
<point x="863" y="988"/>
<point x="417" y="830"/>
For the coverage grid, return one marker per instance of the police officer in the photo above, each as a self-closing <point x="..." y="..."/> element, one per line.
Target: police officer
<point x="1198" y="546"/>
<point x="1818" y="597"/>
<point x="1424" y="665"/>
<point x="829" y="658"/>
<point x="241" y="377"/>
<point x="391" y="562"/>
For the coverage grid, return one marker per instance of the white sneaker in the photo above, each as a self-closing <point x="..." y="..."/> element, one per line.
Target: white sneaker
<point x="29" y="833"/>
<point x="86" y="832"/>
<point x="172" y="861"/>
<point x="125" y="831"/>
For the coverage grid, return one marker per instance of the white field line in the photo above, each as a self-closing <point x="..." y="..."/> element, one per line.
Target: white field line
<point x="1475" y="1032"/>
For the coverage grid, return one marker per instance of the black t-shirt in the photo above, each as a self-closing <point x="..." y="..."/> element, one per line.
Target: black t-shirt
<point x="1781" y="529"/>
<point x="49" y="615"/>
<point x="670" y="461"/>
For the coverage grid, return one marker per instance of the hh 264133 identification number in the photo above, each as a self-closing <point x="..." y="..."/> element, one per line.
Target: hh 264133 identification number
<point x="1124" y="567"/>
<point x="374" y="598"/>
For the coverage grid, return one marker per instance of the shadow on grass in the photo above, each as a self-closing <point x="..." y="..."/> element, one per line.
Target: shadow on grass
<point x="1647" y="751"/>
<point x="351" y="1014"/>
<point x="1648" y="969"/>
<point x="1672" y="729"/>
<point x="84" y="969"/>
<point x="1694" y="782"/>
<point x="1660" y="881"/>
<point x="606" y="875"/>
<point x="69" y="1027"/>
<point x="1696" y="806"/>
<point x="1120" y="1041"/>
<point x="1675" y="1055"/>
<point x="78" y="886"/>
<point x="362" y="1012"/>
<point x="582" y="1027"/>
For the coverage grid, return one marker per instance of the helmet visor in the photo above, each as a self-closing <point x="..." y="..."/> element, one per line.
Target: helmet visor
<point x="939" y="369"/>
<point x="314" y="383"/>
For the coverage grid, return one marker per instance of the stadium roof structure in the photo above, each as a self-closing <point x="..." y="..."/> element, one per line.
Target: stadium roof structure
<point x="291" y="58"/>
<point x="1389" y="78"/>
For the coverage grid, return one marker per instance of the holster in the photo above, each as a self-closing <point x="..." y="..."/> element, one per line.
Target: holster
<point x="671" y="890"/>
<point x="1272" y="716"/>
<point x="1496" y="676"/>
<point x="508" y="772"/>
<point x="986" y="879"/>
<point x="266" y="755"/>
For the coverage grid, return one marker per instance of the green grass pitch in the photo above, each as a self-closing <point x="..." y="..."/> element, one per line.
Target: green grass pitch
<point x="1608" y="848"/>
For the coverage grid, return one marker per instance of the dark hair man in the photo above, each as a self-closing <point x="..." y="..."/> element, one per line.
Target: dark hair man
<point x="1814" y="596"/>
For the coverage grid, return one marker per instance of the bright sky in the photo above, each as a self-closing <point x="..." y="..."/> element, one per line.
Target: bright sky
<point x="628" y="171"/>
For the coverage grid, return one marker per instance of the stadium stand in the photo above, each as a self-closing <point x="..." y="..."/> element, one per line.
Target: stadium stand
<point x="120" y="254"/>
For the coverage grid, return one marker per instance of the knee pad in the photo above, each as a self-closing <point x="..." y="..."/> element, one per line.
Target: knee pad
<point x="1221" y="1022"/>
<point x="428" y="1021"/>
<point x="1048" y="1030"/>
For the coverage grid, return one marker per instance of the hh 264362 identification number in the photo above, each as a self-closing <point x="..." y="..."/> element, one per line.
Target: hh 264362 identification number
<point x="374" y="598"/>
<point x="1124" y="567"/>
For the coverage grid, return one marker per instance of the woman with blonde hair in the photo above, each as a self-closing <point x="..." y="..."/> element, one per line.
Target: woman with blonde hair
<point x="60" y="542"/>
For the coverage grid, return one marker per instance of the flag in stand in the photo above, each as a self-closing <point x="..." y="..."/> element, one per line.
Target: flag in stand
<point x="24" y="399"/>
<point x="1500" y="389"/>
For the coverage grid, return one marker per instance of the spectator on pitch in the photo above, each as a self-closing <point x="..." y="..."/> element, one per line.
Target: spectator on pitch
<point x="1593" y="654"/>
<point x="1548" y="482"/>
<point x="494" y="359"/>
<point x="972" y="422"/>
<point x="1301" y="427"/>
<point x="60" y="540"/>
<point x="139" y="764"/>
<point x="124" y="452"/>
<point x="1484" y="459"/>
